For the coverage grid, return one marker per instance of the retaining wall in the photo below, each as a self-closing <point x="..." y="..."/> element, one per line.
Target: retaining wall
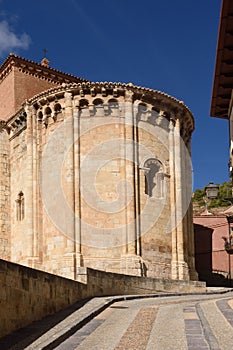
<point x="27" y="294"/>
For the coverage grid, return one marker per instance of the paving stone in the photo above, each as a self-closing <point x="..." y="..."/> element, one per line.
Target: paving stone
<point x="184" y="322"/>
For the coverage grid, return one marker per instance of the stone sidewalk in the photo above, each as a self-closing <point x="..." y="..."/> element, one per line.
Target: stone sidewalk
<point x="52" y="331"/>
<point x="169" y="323"/>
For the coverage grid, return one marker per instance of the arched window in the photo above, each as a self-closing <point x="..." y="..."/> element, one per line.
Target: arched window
<point x="113" y="103"/>
<point x="57" y="108"/>
<point x="142" y="107"/>
<point x="40" y="116"/>
<point x="20" y="206"/>
<point x="84" y="108"/>
<point x="142" y="112"/>
<point x="113" y="106"/>
<point x="57" y="112"/>
<point x="156" y="110"/>
<point x="48" y="111"/>
<point x="98" y="109"/>
<point x="98" y="102"/>
<point x="153" y="178"/>
<point x="83" y="103"/>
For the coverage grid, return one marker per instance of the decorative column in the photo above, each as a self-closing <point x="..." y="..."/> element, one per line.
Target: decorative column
<point x="130" y="263"/>
<point x="183" y="273"/>
<point x="39" y="206"/>
<point x="136" y="182"/>
<point x="29" y="208"/>
<point x="77" y="204"/>
<point x="35" y="187"/>
<point x="173" y="223"/>
<point x="70" y="255"/>
<point x="31" y="255"/>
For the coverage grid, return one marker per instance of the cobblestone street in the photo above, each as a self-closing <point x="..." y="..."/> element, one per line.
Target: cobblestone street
<point x="176" y="323"/>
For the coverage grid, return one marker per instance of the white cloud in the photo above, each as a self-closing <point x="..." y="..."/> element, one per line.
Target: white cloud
<point x="9" y="40"/>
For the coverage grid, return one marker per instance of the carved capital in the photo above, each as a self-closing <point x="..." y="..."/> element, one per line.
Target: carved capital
<point x="172" y="124"/>
<point x="115" y="92"/>
<point x="129" y="95"/>
<point x="103" y="91"/>
<point x="81" y="92"/>
<point x="68" y="100"/>
<point x="68" y="96"/>
<point x="28" y="108"/>
<point x="93" y="91"/>
<point x="162" y="113"/>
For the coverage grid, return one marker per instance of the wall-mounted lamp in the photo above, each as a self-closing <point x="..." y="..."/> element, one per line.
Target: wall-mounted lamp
<point x="211" y="191"/>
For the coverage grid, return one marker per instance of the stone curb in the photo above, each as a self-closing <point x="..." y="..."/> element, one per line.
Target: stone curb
<point x="67" y="327"/>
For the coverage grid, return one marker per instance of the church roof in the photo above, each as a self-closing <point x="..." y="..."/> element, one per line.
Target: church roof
<point x="223" y="76"/>
<point x="36" y="69"/>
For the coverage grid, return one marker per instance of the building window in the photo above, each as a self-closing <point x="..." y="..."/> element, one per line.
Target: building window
<point x="153" y="178"/>
<point x="20" y="206"/>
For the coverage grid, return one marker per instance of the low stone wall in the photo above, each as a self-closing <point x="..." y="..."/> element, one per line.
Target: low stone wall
<point x="27" y="294"/>
<point x="101" y="283"/>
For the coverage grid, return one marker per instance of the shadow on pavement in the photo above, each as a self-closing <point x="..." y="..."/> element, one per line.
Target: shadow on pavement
<point x="27" y="335"/>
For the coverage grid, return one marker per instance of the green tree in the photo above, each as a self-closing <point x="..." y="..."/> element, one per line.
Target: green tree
<point x="198" y="197"/>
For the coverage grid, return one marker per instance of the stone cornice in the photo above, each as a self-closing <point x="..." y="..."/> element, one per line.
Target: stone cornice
<point x="36" y="69"/>
<point x="139" y="93"/>
<point x="79" y="87"/>
<point x="167" y="107"/>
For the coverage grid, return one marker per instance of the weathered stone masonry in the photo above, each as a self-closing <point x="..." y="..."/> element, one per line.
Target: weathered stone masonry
<point x="125" y="178"/>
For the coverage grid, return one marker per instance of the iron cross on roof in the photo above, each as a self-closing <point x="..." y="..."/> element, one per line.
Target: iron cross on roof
<point x="45" y="52"/>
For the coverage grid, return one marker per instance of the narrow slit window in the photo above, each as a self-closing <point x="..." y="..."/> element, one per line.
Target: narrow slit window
<point x="20" y="206"/>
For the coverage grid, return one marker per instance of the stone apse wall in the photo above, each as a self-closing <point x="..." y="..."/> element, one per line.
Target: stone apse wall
<point x="101" y="177"/>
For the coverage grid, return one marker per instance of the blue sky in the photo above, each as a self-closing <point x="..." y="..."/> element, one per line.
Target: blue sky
<point x="165" y="45"/>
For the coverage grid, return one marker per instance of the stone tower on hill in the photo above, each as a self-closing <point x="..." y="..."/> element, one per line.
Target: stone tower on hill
<point x="93" y="175"/>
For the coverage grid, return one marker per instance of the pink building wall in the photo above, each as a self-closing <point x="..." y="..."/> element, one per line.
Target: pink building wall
<point x="211" y="260"/>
